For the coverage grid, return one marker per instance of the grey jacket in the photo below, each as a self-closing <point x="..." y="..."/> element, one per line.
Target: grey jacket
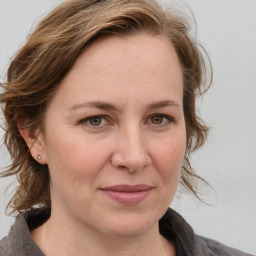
<point x="172" y="226"/>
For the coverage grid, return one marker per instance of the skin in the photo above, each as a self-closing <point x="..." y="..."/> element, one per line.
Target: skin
<point x="133" y="87"/>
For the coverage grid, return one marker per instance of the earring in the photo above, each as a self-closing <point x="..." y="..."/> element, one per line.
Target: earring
<point x="39" y="157"/>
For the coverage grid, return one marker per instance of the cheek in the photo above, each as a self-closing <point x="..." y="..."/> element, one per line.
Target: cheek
<point x="75" y="161"/>
<point x="169" y="158"/>
<point x="168" y="161"/>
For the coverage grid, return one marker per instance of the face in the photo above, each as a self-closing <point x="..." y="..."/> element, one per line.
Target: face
<point x="114" y="137"/>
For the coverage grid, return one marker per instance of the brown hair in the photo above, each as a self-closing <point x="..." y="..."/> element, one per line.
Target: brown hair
<point x="50" y="52"/>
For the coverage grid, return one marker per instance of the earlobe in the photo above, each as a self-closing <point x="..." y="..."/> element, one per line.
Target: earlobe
<point x="34" y="140"/>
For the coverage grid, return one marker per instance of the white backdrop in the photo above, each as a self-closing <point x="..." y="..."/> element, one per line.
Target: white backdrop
<point x="227" y="29"/>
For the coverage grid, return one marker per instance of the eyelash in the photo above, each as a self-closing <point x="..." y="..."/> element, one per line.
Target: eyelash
<point x="167" y="117"/>
<point x="87" y="120"/>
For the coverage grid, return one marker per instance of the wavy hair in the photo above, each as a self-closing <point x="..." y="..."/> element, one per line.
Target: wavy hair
<point x="50" y="52"/>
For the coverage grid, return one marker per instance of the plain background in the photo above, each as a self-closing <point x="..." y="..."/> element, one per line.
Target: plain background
<point x="227" y="29"/>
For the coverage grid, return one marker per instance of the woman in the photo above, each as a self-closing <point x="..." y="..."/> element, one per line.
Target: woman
<point x="100" y="121"/>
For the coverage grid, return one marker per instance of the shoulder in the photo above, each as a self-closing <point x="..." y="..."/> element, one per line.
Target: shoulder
<point x="216" y="248"/>
<point x="9" y="243"/>
<point x="173" y="227"/>
<point x="19" y="241"/>
<point x="4" y="247"/>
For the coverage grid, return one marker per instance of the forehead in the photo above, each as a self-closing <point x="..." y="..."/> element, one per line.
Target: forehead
<point x="127" y="65"/>
<point x="140" y="50"/>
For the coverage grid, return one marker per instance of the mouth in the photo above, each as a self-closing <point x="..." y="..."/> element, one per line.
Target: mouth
<point x="126" y="194"/>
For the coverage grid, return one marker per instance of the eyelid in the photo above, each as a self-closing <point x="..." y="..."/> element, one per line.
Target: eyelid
<point x="85" y="121"/>
<point x="162" y="115"/>
<point x="168" y="117"/>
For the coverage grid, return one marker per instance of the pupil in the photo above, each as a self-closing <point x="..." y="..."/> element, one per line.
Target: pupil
<point x="95" y="121"/>
<point x="157" y="119"/>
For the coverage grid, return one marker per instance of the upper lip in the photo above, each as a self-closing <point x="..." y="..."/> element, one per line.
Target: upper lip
<point x="128" y="188"/>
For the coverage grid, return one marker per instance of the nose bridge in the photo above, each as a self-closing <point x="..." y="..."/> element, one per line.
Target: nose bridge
<point x="133" y="142"/>
<point x="131" y="150"/>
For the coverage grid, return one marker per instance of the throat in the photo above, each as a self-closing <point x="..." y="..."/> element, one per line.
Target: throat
<point x="55" y="243"/>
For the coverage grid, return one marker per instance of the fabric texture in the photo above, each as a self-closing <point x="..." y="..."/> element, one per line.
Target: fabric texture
<point x="172" y="226"/>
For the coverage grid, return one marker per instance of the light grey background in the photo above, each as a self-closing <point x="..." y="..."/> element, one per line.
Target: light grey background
<point x="227" y="29"/>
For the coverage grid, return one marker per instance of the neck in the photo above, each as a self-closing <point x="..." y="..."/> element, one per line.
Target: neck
<point x="58" y="237"/>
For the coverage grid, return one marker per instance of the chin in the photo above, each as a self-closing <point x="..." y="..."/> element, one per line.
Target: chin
<point x="131" y="226"/>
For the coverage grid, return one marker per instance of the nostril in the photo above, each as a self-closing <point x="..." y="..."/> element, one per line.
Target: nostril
<point x="124" y="168"/>
<point x="127" y="162"/>
<point x="130" y="153"/>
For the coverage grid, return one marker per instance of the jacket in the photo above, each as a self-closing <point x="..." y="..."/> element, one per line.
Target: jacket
<point x="172" y="226"/>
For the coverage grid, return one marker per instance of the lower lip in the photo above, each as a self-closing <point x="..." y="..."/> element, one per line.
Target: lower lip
<point x="128" y="198"/>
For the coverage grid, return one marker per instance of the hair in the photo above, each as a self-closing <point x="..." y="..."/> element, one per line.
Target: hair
<point x="50" y="52"/>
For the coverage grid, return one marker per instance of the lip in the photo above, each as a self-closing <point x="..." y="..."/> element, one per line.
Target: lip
<point x="127" y="194"/>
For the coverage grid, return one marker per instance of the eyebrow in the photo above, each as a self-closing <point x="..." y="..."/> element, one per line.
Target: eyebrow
<point x="162" y="103"/>
<point x="108" y="106"/>
<point x="96" y="104"/>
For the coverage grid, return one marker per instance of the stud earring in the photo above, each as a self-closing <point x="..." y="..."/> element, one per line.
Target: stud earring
<point x="39" y="157"/>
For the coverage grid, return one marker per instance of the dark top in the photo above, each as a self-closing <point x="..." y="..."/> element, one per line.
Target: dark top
<point x="172" y="226"/>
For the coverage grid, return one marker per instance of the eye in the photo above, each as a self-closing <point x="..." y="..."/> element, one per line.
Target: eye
<point x="160" y="120"/>
<point x="95" y="121"/>
<point x="157" y="119"/>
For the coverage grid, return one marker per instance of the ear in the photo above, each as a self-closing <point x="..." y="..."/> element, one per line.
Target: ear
<point x="34" y="140"/>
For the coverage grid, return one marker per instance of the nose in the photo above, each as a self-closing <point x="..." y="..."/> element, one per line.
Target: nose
<point x="131" y="152"/>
